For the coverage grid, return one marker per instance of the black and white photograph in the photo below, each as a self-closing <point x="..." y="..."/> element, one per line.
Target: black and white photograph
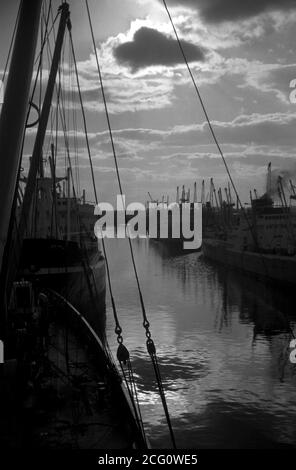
<point x="147" y="230"/>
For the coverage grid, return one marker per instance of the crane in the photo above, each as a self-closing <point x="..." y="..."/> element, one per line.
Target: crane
<point x="155" y="201"/>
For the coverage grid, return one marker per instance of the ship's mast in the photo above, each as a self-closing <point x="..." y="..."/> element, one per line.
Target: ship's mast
<point x="268" y="182"/>
<point x="195" y="193"/>
<point x="14" y="110"/>
<point x="37" y="150"/>
<point x="202" y="195"/>
<point x="12" y="127"/>
<point x="68" y="204"/>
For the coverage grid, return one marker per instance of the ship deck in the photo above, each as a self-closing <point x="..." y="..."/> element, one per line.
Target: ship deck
<point x="70" y="404"/>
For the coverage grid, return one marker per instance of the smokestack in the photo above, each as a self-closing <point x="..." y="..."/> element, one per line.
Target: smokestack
<point x="178" y="196"/>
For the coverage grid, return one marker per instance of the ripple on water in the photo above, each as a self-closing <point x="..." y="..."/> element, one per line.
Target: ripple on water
<point x="222" y="341"/>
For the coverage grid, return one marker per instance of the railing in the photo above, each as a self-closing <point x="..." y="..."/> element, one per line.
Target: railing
<point x="104" y="357"/>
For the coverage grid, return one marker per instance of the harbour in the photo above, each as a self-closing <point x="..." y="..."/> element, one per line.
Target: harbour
<point x="223" y="343"/>
<point x="166" y="321"/>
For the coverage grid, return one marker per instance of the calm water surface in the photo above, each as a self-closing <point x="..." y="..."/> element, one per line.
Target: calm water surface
<point x="223" y="344"/>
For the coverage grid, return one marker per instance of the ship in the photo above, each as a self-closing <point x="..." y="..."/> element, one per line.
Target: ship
<point x="171" y="229"/>
<point x="60" y="249"/>
<point x="59" y="384"/>
<point x="260" y="239"/>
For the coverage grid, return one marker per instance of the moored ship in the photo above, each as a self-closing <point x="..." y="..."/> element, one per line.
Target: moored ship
<point x="60" y="250"/>
<point x="260" y="239"/>
<point x="59" y="385"/>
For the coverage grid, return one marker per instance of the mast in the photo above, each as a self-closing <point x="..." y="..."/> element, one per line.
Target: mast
<point x="268" y="182"/>
<point x="211" y="192"/>
<point x="68" y="204"/>
<point x="292" y="188"/>
<point x="15" y="108"/>
<point x="202" y="195"/>
<point x="183" y="194"/>
<point x="37" y="150"/>
<point x="54" y="198"/>
<point x="229" y="193"/>
<point x="195" y="193"/>
<point x="215" y="196"/>
<point x="188" y="195"/>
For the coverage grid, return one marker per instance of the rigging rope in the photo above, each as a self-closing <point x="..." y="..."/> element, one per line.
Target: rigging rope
<point x="11" y="43"/>
<point x="123" y="355"/>
<point x="45" y="39"/>
<point x="208" y="120"/>
<point x="149" y="342"/>
<point x="118" y="329"/>
<point x="216" y="140"/>
<point x="61" y="112"/>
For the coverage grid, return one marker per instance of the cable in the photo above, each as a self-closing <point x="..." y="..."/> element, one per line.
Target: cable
<point x="15" y="242"/>
<point x="11" y="42"/>
<point x="118" y="329"/>
<point x="215" y="139"/>
<point x="83" y="117"/>
<point x="123" y="355"/>
<point x="150" y="344"/>
<point x="61" y="110"/>
<point x="209" y="122"/>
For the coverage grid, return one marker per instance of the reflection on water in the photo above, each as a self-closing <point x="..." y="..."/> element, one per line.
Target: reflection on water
<point x="223" y="344"/>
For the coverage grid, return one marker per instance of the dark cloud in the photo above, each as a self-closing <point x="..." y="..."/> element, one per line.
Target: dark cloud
<point x="150" y="47"/>
<point x="216" y="11"/>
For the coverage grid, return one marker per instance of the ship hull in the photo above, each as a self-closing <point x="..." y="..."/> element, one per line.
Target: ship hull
<point x="280" y="269"/>
<point x="82" y="283"/>
<point x="175" y="245"/>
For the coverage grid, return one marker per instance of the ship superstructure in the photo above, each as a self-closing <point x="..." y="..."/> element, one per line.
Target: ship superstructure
<point x="259" y="239"/>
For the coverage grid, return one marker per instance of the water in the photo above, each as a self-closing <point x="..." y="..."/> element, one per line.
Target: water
<point x="223" y="344"/>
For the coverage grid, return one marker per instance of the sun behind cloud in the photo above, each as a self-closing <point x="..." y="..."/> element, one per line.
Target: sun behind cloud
<point x="151" y="47"/>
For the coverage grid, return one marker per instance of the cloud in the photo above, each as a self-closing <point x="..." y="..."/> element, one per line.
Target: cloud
<point x="150" y="47"/>
<point x="253" y="74"/>
<point x="124" y="92"/>
<point x="273" y="78"/>
<point x="177" y="153"/>
<point x="158" y="160"/>
<point x="217" y="11"/>
<point x="272" y="129"/>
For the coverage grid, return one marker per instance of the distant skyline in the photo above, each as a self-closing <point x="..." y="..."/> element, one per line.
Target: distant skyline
<point x="242" y="55"/>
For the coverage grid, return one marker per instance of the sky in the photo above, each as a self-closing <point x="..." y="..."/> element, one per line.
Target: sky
<point x="242" y="55"/>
